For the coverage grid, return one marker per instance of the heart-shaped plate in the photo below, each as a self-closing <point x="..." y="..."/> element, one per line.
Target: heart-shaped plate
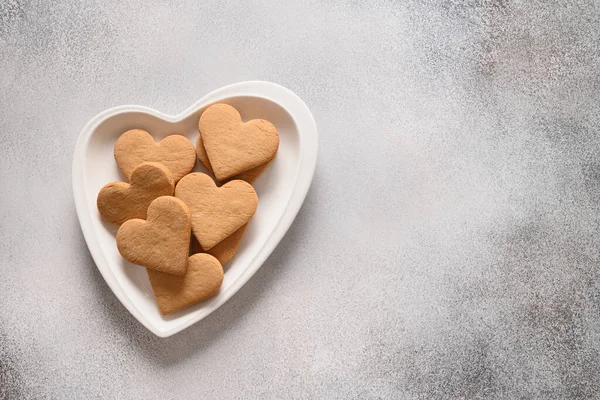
<point x="281" y="191"/>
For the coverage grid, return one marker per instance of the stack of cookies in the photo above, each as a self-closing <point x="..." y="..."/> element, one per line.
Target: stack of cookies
<point x="180" y="224"/>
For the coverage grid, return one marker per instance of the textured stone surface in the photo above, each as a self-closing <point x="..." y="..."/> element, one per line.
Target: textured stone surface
<point x="449" y="244"/>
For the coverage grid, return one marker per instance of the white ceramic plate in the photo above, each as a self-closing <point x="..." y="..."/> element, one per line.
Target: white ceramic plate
<point x="281" y="191"/>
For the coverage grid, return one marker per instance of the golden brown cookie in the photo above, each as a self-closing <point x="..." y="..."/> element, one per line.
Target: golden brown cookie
<point x="217" y="212"/>
<point x="249" y="176"/>
<point x="136" y="146"/>
<point x="233" y="146"/>
<point x="162" y="241"/>
<point x="203" y="279"/>
<point x="225" y="250"/>
<point x="119" y="201"/>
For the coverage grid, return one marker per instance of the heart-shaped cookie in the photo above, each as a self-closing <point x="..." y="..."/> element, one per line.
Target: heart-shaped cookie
<point x="136" y="146"/>
<point x="120" y="201"/>
<point x="202" y="280"/>
<point x="223" y="251"/>
<point x="217" y="212"/>
<point x="233" y="146"/>
<point x="162" y="241"/>
<point x="249" y="176"/>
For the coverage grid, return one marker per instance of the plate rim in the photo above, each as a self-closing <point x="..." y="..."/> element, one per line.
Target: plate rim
<point x="308" y="138"/>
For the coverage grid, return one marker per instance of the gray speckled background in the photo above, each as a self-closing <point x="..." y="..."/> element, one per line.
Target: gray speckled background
<point x="448" y="247"/>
